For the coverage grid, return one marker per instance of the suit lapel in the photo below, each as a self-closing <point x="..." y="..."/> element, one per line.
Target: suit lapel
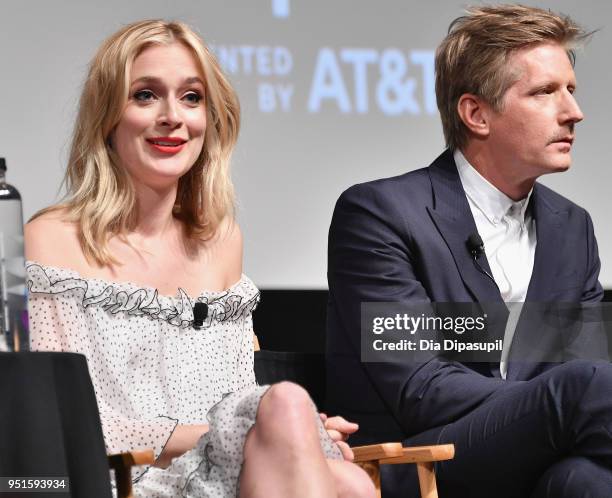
<point x="453" y="218"/>
<point x="549" y="222"/>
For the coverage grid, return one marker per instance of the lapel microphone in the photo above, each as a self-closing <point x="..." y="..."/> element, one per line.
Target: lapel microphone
<point x="200" y="312"/>
<point x="476" y="247"/>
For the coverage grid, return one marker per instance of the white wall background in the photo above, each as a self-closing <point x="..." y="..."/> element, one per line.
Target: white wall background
<point x="290" y="165"/>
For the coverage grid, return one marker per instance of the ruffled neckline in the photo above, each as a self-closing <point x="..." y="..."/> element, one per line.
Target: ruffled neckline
<point x="70" y="273"/>
<point x="132" y="298"/>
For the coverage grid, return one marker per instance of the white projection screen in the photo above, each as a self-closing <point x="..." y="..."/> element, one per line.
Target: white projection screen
<point x="333" y="92"/>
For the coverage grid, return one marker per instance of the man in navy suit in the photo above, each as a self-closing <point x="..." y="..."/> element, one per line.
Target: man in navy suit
<point x="505" y="90"/>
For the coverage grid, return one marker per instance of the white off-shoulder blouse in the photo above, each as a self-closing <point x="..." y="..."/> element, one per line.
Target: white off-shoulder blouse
<point x="150" y="368"/>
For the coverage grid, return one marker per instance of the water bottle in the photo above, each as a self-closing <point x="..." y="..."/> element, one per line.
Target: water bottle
<point x="13" y="299"/>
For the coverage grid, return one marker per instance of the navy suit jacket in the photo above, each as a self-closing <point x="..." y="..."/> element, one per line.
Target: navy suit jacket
<point x="403" y="239"/>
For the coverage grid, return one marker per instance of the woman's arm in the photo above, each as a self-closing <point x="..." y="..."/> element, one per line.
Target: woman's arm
<point x="183" y="439"/>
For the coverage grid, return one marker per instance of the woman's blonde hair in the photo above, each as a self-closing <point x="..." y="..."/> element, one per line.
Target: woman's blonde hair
<point x="100" y="196"/>
<point x="473" y="58"/>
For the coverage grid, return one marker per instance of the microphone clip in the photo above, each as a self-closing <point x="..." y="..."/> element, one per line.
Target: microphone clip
<point x="475" y="245"/>
<point x="200" y="312"/>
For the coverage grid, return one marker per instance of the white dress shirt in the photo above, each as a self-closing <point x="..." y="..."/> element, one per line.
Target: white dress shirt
<point x="509" y="235"/>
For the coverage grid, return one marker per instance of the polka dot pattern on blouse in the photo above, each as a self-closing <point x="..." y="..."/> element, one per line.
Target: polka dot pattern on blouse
<point x="150" y="368"/>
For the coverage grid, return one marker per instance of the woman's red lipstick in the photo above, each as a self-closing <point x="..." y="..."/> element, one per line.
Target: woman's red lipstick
<point x="167" y="145"/>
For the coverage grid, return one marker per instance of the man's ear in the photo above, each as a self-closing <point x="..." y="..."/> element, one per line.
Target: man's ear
<point x="474" y="112"/>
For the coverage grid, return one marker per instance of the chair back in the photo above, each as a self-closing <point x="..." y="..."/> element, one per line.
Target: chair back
<point x="305" y="369"/>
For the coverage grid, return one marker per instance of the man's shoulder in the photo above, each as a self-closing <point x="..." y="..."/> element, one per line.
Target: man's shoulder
<point x="408" y="186"/>
<point x="415" y="186"/>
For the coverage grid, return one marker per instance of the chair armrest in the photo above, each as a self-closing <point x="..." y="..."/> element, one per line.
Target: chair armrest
<point x="131" y="458"/>
<point x="371" y="457"/>
<point x="376" y="451"/>
<point x="416" y="454"/>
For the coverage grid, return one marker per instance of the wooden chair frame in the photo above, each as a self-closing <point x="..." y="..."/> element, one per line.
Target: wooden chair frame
<point x="122" y="464"/>
<point x="369" y="458"/>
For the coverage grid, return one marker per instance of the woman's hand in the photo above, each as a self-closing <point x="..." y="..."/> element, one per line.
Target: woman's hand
<point x="339" y="430"/>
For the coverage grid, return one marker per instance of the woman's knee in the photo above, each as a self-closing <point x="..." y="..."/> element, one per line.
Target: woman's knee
<point x="286" y="400"/>
<point x="288" y="407"/>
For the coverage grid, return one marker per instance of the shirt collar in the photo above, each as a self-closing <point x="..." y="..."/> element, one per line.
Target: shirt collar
<point x="491" y="201"/>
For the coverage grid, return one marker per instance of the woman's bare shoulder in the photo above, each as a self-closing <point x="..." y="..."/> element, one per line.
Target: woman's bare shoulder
<point x="51" y="239"/>
<point x="229" y="233"/>
<point x="224" y="250"/>
<point x="230" y="238"/>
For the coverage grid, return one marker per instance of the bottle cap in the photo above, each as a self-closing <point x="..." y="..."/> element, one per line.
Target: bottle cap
<point x="2" y="164"/>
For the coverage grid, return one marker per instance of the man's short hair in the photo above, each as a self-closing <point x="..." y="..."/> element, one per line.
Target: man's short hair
<point x="473" y="58"/>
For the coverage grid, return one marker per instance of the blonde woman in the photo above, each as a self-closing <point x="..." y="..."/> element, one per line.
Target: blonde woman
<point x="145" y="232"/>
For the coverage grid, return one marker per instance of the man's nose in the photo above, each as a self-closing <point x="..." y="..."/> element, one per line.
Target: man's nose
<point x="571" y="110"/>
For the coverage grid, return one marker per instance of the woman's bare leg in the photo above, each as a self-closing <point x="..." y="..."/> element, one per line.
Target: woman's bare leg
<point x="282" y="453"/>
<point x="283" y="457"/>
<point x="350" y="480"/>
